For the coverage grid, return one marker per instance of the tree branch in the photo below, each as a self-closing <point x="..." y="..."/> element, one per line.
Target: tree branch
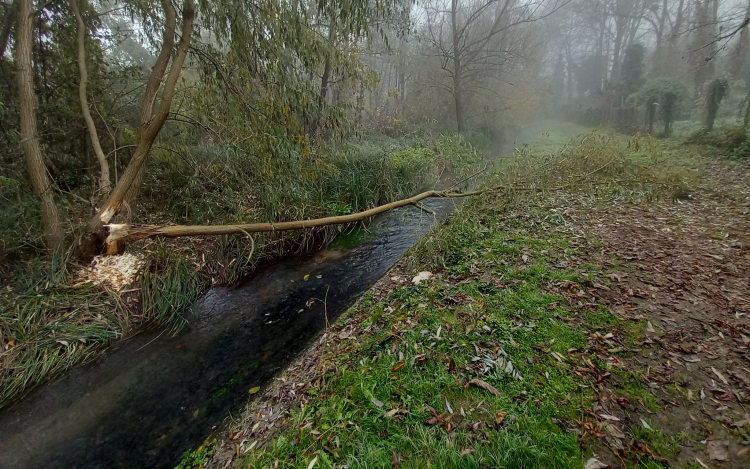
<point x="132" y="232"/>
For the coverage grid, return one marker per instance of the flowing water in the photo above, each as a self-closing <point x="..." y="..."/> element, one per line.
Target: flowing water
<point x="152" y="397"/>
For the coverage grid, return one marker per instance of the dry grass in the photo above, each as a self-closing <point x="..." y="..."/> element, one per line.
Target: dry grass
<point x="601" y="163"/>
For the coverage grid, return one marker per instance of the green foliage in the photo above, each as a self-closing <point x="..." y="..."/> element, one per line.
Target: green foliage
<point x="742" y="152"/>
<point x="169" y="287"/>
<point x="479" y="140"/>
<point x="198" y="458"/>
<point x="725" y="141"/>
<point x="664" y="95"/>
<point x="632" y="69"/>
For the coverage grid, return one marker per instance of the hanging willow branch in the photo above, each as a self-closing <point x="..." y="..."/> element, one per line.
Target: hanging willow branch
<point x="132" y="232"/>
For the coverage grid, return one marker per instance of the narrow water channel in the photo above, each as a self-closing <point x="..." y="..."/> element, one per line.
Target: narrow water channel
<point x="152" y="397"/>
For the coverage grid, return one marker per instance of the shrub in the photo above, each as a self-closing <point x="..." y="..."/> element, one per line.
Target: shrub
<point x="662" y="95"/>
<point x="742" y="152"/>
<point x="716" y="92"/>
<point x="726" y="140"/>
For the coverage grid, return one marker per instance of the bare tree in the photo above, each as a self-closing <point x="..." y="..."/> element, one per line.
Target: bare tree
<point x="52" y="231"/>
<point x="470" y="40"/>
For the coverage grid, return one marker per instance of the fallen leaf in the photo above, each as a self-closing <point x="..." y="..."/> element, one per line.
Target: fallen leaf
<point x="613" y="430"/>
<point x="306" y="278"/>
<point x="487" y="386"/>
<point x="649" y="327"/>
<point x="376" y="402"/>
<point x="397" y="367"/>
<point x="395" y="460"/>
<point x="646" y="425"/>
<point x="391" y="413"/>
<point x="466" y="451"/>
<point x="718" y="450"/>
<point x="721" y="376"/>
<point x="254" y="390"/>
<point x="500" y="417"/>
<point x="741" y="423"/>
<point x="611" y="418"/>
<point x="701" y="463"/>
<point x="312" y="463"/>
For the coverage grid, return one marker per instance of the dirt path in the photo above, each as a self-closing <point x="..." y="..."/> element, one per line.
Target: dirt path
<point x="685" y="269"/>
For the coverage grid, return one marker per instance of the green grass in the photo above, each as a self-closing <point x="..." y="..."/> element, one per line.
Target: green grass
<point x="376" y="403"/>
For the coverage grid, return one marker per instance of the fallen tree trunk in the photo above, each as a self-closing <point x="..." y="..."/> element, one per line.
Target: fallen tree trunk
<point x="131" y="232"/>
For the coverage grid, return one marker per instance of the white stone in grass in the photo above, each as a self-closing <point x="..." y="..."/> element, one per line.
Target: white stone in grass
<point x="594" y="463"/>
<point x="421" y="276"/>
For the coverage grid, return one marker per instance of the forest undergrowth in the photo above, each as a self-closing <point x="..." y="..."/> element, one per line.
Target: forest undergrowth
<point x="589" y="314"/>
<point x="52" y="316"/>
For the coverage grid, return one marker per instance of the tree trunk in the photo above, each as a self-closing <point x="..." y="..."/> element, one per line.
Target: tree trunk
<point x="458" y="98"/>
<point x="739" y="54"/>
<point x="457" y="91"/>
<point x="150" y="122"/>
<point x="359" y="109"/>
<point x="324" y="79"/>
<point x="51" y="223"/>
<point x="614" y="78"/>
<point x="43" y="61"/>
<point x="104" y="182"/>
<point x="569" y="68"/>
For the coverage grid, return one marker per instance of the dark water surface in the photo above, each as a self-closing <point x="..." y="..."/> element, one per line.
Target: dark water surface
<point x="152" y="397"/>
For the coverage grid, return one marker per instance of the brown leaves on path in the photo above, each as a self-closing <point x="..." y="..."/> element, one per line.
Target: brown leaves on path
<point x="682" y="271"/>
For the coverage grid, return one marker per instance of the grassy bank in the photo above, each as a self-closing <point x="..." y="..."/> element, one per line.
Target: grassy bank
<point x="498" y="359"/>
<point x="52" y="317"/>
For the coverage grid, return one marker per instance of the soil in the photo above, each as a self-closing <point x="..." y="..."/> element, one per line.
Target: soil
<point x="684" y="268"/>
